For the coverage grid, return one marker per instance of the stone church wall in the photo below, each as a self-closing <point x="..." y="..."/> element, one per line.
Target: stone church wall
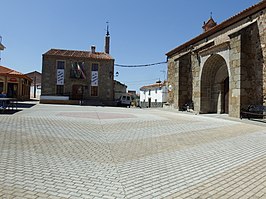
<point x="242" y="46"/>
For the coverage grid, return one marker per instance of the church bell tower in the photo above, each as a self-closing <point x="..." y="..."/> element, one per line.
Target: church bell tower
<point x="107" y="40"/>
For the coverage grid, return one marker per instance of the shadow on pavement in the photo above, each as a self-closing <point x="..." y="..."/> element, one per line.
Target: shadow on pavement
<point x="25" y="105"/>
<point x="9" y="112"/>
<point x="17" y="107"/>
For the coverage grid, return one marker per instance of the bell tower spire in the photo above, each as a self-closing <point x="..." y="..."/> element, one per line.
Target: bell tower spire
<point x="107" y="39"/>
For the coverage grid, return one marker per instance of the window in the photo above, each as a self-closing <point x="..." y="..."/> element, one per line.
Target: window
<point x="94" y="67"/>
<point x="94" y="78"/>
<point x="156" y="90"/>
<point x="94" y="91"/>
<point x="149" y="92"/>
<point x="60" y="72"/>
<point x="60" y="65"/>
<point x="59" y="89"/>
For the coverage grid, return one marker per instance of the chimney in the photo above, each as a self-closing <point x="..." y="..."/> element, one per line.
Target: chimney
<point x="93" y="48"/>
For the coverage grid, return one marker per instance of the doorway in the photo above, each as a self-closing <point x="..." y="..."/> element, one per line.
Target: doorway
<point x="12" y="90"/>
<point x="77" y="92"/>
<point x="214" y="86"/>
<point x="149" y="102"/>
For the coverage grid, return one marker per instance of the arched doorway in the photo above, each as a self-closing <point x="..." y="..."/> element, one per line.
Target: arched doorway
<point x="214" y="86"/>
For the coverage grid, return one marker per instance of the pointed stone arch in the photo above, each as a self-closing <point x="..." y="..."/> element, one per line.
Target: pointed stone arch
<point x="214" y="85"/>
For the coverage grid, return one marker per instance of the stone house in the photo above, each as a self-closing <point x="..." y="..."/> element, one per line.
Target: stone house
<point x="72" y="76"/>
<point x="153" y="95"/>
<point x="119" y="89"/>
<point x="223" y="69"/>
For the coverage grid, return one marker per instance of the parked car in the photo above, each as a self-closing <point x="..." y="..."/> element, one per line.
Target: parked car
<point x="124" y="100"/>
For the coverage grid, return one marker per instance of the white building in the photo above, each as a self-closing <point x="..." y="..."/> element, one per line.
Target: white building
<point x="154" y="95"/>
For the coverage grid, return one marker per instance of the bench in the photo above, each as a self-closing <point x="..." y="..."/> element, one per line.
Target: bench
<point x="8" y="103"/>
<point x="187" y="106"/>
<point x="253" y="111"/>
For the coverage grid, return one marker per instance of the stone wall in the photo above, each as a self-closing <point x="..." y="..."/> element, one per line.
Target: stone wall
<point x="262" y="34"/>
<point x="242" y="46"/>
<point x="172" y="81"/>
<point x="185" y="80"/>
<point x="195" y="65"/>
<point x="251" y="67"/>
<point x="106" y="84"/>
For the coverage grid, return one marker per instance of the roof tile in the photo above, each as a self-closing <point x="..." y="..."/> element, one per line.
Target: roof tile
<point x="4" y="71"/>
<point x="78" y="53"/>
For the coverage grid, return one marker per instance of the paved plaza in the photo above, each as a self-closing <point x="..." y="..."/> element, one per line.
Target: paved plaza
<point x="60" y="151"/>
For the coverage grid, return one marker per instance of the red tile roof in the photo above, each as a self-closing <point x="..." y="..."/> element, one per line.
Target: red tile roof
<point x="152" y="86"/>
<point x="78" y="54"/>
<point x="238" y="17"/>
<point x="4" y="71"/>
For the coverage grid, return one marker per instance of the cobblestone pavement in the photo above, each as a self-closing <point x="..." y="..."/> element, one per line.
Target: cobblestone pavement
<point x="55" y="151"/>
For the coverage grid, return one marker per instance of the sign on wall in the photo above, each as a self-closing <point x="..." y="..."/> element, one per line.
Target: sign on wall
<point x="13" y="79"/>
<point x="60" y="77"/>
<point x="94" y="78"/>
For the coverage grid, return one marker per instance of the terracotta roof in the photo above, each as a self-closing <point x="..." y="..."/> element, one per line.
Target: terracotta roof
<point x="209" y="24"/>
<point x="35" y="76"/>
<point x="4" y="71"/>
<point x="238" y="17"/>
<point x="153" y="86"/>
<point x="77" y="53"/>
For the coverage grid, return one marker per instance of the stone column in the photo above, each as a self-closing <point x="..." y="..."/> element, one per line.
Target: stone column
<point x="195" y="65"/>
<point x="262" y="34"/>
<point x="171" y="81"/>
<point x="176" y="83"/>
<point x="235" y="81"/>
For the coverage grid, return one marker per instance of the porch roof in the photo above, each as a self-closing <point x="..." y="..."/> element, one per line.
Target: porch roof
<point x="4" y="71"/>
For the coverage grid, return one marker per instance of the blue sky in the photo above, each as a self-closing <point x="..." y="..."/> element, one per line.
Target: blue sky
<point x="142" y="31"/>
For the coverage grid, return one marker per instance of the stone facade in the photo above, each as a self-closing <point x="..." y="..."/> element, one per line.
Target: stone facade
<point x="223" y="69"/>
<point x="119" y="89"/>
<point x="79" y="88"/>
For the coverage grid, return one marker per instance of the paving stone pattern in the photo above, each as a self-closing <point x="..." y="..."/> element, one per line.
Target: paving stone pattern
<point x="51" y="151"/>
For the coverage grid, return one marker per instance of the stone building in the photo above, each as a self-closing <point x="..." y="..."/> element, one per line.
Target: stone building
<point x="119" y="89"/>
<point x="71" y="76"/>
<point x="223" y="69"/>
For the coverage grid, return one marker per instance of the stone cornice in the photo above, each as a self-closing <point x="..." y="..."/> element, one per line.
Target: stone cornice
<point x="215" y="49"/>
